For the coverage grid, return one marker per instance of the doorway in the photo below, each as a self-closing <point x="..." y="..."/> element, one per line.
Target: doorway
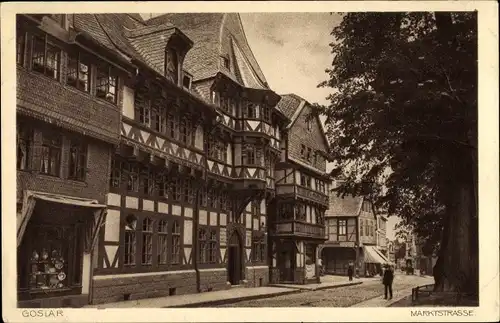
<point x="234" y="259"/>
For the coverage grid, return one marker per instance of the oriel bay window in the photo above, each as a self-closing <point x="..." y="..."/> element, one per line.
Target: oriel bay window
<point x="50" y="161"/>
<point x="78" y="72"/>
<point x="250" y="155"/>
<point x="77" y="160"/>
<point x="300" y="212"/>
<point x="286" y="211"/>
<point x="251" y="110"/>
<point x="106" y="83"/>
<point x="45" y="57"/>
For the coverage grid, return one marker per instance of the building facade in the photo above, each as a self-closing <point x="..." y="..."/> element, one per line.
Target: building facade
<point x="296" y="215"/>
<point x="382" y="234"/>
<point x="351" y="227"/>
<point x="158" y="159"/>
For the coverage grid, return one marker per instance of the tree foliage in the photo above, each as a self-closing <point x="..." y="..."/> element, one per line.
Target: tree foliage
<point x="403" y="116"/>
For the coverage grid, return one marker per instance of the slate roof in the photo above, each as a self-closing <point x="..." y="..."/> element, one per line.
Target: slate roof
<point x="204" y="59"/>
<point x="289" y="104"/>
<point x="347" y="206"/>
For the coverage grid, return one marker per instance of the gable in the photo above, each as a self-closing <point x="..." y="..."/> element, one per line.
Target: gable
<point x="313" y="138"/>
<point x="234" y="45"/>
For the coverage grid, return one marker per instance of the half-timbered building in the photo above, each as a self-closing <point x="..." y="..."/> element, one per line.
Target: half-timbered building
<point x="159" y="160"/>
<point x="353" y="233"/>
<point x="297" y="214"/>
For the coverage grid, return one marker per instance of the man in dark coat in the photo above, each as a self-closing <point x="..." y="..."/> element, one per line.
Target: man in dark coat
<point x="387" y="281"/>
<point x="350" y="271"/>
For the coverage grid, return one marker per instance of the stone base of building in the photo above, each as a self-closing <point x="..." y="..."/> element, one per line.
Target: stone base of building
<point x="116" y="288"/>
<point x="257" y="276"/>
<point x="213" y="280"/>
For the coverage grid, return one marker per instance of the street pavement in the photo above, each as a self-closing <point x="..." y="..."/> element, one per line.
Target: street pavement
<point x="368" y="294"/>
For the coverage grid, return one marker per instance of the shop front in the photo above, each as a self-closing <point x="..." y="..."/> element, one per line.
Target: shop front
<point x="56" y="236"/>
<point x="373" y="260"/>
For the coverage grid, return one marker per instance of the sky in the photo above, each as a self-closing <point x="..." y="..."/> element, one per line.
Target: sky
<point x="293" y="51"/>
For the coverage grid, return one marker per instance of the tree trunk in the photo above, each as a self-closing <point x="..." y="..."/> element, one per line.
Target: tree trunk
<point x="457" y="267"/>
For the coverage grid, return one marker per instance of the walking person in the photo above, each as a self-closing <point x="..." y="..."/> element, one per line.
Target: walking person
<point x="350" y="271"/>
<point x="387" y="281"/>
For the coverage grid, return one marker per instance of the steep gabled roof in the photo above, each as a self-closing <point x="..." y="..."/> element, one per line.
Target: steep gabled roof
<point x="208" y="32"/>
<point x="347" y="206"/>
<point x="292" y="105"/>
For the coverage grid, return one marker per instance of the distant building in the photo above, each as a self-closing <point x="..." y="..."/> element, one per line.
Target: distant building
<point x="351" y="227"/>
<point x="391" y="250"/>
<point x="382" y="233"/>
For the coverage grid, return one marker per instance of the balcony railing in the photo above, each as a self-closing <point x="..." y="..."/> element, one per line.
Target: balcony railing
<point x="302" y="229"/>
<point x="310" y="194"/>
<point x="303" y="192"/>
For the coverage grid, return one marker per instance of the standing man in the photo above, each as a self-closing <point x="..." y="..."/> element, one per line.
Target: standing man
<point x="387" y="280"/>
<point x="350" y="271"/>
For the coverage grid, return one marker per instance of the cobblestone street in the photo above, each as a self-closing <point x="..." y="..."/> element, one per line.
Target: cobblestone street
<point x="338" y="297"/>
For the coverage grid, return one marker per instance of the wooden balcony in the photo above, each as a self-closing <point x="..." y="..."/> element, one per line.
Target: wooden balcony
<point x="293" y="228"/>
<point x="297" y="191"/>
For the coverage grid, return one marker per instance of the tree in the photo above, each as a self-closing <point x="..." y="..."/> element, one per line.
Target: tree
<point x="403" y="117"/>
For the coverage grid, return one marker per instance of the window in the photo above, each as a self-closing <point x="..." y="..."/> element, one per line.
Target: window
<point x="309" y="124"/>
<point x="77" y="160"/>
<point x="225" y="104"/>
<point x="367" y="228"/>
<point x="116" y="173"/>
<point x="305" y="180"/>
<point x="159" y="119"/>
<point x="185" y="131"/>
<point x="258" y="250"/>
<point x="106" y="83"/>
<point x="342" y="230"/>
<point x="186" y="82"/>
<point x="255" y="207"/>
<point x="51" y="251"/>
<point x="217" y="149"/>
<point x="212" y="247"/>
<point x="188" y="192"/>
<point x="20" y="46"/>
<point x="147" y="241"/>
<point x="202" y="246"/>
<point x="162" y="242"/>
<point x="172" y="65"/>
<point x="132" y="178"/>
<point x="176" y="189"/>
<point x="147" y="181"/>
<point x="51" y="154"/>
<point x="176" y="243"/>
<point x="24" y="140"/>
<point x="266" y="113"/>
<point x="309" y="154"/>
<point x="248" y="155"/>
<point x="162" y="184"/>
<point x="145" y="113"/>
<point x="225" y="62"/>
<point x="173" y="126"/>
<point x="203" y="196"/>
<point x="302" y="151"/>
<point x="301" y="212"/>
<point x="78" y="73"/>
<point x="130" y="240"/>
<point x="251" y="111"/>
<point x="45" y="57"/>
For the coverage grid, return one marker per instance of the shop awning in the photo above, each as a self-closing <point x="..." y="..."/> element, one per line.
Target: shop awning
<point x="382" y="256"/>
<point x="372" y="256"/>
<point x="29" y="201"/>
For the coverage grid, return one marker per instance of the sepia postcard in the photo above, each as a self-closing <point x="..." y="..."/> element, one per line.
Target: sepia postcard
<point x="287" y="161"/>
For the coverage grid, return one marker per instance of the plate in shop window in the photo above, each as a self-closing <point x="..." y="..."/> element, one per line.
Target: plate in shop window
<point x="61" y="276"/>
<point x="59" y="265"/>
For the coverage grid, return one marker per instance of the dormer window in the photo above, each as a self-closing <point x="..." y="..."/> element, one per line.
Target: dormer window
<point x="171" y="65"/>
<point x="226" y="62"/>
<point x="186" y="82"/>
